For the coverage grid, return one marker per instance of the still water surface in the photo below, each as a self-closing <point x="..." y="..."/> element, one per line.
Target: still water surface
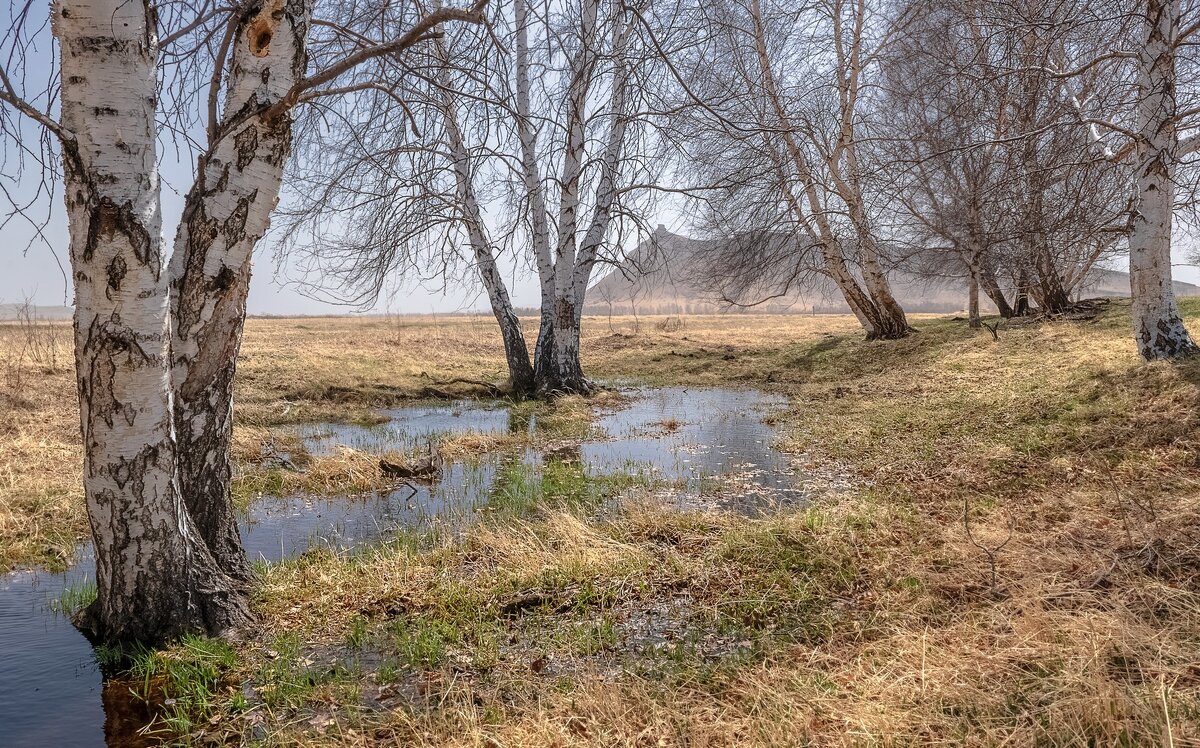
<point x="705" y="440"/>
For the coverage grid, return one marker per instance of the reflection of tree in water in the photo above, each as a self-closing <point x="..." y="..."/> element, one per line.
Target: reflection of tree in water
<point x="126" y="714"/>
<point x="554" y="477"/>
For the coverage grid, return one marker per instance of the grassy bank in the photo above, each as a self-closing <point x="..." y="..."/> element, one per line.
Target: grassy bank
<point x="290" y="371"/>
<point x="1019" y="565"/>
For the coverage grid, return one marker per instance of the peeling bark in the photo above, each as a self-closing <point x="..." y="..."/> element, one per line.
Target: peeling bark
<point x="155" y="577"/>
<point x="225" y="213"/>
<point x="1158" y="326"/>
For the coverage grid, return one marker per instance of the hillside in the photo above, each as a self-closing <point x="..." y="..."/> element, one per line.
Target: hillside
<point x="667" y="276"/>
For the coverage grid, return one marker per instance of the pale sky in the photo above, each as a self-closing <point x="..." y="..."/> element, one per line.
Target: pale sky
<point x="34" y="272"/>
<point x="29" y="269"/>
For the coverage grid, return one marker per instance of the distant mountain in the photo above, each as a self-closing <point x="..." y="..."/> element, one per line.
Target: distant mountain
<point x="10" y="312"/>
<point x="668" y="276"/>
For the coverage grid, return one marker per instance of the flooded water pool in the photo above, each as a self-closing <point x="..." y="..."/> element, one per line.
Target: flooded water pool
<point x="407" y="428"/>
<point x="704" y="441"/>
<point x="714" y="441"/>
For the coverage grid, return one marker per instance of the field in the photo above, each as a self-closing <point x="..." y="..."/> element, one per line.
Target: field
<point x="1017" y="563"/>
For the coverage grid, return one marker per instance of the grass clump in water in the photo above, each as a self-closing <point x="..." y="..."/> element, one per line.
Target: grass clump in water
<point x="74" y="598"/>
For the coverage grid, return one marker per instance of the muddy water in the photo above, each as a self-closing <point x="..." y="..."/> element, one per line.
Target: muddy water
<point x="710" y="443"/>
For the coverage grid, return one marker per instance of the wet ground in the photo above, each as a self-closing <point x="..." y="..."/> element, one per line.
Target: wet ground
<point x="713" y="447"/>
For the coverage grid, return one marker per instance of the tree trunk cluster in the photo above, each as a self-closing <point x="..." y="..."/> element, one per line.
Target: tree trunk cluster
<point x="156" y="346"/>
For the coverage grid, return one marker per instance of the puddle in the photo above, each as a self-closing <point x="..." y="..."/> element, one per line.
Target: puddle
<point x="411" y="427"/>
<point x="714" y="441"/>
<point x="713" y="444"/>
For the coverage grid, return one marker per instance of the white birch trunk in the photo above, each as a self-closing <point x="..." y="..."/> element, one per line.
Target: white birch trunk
<point x="816" y="222"/>
<point x="516" y="351"/>
<point x="539" y="215"/>
<point x="558" y="367"/>
<point x="155" y="577"/>
<point x="887" y="315"/>
<point x="974" y="321"/>
<point x="610" y="165"/>
<point x="1158" y="327"/>
<point x="226" y="212"/>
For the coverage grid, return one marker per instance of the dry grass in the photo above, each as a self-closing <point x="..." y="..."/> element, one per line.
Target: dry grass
<point x="342" y="369"/>
<point x="662" y="629"/>
<point x="41" y="493"/>
<point x="290" y="371"/>
<point x="868" y="619"/>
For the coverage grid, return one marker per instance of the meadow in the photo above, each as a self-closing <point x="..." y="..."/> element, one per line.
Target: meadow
<point x="1017" y="561"/>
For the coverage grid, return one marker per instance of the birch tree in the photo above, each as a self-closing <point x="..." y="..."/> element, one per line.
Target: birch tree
<point x="786" y="87"/>
<point x="262" y="63"/>
<point x="565" y="267"/>
<point x="408" y="194"/>
<point x="1140" y="120"/>
<point x="156" y="345"/>
<point x="226" y="211"/>
<point x="556" y="124"/>
<point x="155" y="575"/>
<point x="1157" y="325"/>
<point x="991" y="174"/>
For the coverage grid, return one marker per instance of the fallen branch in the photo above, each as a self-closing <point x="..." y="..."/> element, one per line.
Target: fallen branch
<point x="427" y="467"/>
<point x="495" y="389"/>
<point x="991" y="552"/>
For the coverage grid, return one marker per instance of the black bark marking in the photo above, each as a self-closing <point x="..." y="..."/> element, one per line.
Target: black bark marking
<point x="202" y="232"/>
<point x="204" y="432"/>
<point x="246" y="145"/>
<point x="116" y="272"/>
<point x="122" y="473"/>
<point x="234" y="227"/>
<point x="107" y="219"/>
<point x="222" y="181"/>
<point x="106" y="44"/>
<point x="224" y="280"/>
<point x="105" y="345"/>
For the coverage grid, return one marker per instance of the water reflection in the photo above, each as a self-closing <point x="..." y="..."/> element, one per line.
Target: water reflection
<point x="715" y="441"/>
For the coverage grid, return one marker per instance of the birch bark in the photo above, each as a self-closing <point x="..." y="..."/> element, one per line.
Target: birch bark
<point x="890" y="320"/>
<point x="516" y="351"/>
<point x="531" y="178"/>
<point x="1158" y="327"/>
<point x="226" y="212"/>
<point x="561" y="370"/>
<point x="155" y="576"/>
<point x="973" y="319"/>
<point x="874" y="305"/>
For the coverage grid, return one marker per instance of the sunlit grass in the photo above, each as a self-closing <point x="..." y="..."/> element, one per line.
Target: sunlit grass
<point x="584" y="611"/>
